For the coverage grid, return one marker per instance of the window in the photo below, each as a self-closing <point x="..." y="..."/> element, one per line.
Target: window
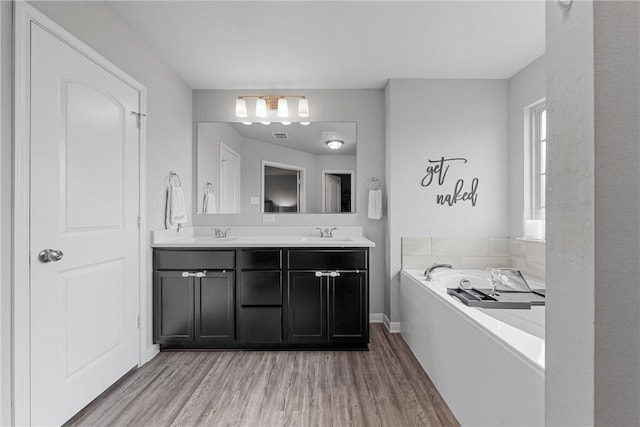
<point x="535" y="171"/>
<point x="538" y="157"/>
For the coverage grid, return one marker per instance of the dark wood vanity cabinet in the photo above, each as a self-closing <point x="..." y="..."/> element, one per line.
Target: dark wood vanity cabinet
<point x="328" y="299"/>
<point x="194" y="298"/>
<point x="261" y="298"/>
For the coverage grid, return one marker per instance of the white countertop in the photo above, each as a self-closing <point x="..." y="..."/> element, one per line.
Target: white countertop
<point x="245" y="236"/>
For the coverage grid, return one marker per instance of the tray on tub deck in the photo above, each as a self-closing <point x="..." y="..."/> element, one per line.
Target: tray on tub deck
<point x="483" y="298"/>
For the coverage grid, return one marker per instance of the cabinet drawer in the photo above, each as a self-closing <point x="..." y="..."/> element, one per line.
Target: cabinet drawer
<point x="328" y="259"/>
<point x="261" y="288"/>
<point x="262" y="259"/>
<point x="261" y="324"/>
<point x="194" y="260"/>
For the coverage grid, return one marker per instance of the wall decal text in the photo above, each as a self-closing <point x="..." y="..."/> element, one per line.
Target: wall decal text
<point x="438" y="170"/>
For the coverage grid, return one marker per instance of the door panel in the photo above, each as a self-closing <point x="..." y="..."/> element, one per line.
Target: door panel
<point x="84" y="202"/>
<point x="173" y="307"/>
<point x="94" y="138"/>
<point x="88" y="296"/>
<point x="307" y="307"/>
<point x="229" y="180"/>
<point x="332" y="194"/>
<point x="215" y="307"/>
<point x="347" y="310"/>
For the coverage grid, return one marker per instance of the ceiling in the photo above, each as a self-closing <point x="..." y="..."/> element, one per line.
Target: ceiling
<point x="336" y="44"/>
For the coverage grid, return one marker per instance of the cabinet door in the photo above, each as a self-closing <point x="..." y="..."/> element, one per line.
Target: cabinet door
<point x="173" y="307"/>
<point x="307" y="302"/>
<point x="348" y="310"/>
<point x="260" y="325"/>
<point x="215" y="307"/>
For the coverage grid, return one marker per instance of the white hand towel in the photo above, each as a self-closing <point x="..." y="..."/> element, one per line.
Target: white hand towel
<point x="375" y="204"/>
<point x="176" y="212"/>
<point x="209" y="204"/>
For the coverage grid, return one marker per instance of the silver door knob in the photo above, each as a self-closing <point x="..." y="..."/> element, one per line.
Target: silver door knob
<point x="50" y="255"/>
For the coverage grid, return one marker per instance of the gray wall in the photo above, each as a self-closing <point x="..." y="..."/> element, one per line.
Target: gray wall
<point x="525" y="88"/>
<point x="363" y="106"/>
<point x="169" y="103"/>
<point x="5" y="210"/>
<point x="617" y="212"/>
<point x="429" y="119"/>
<point x="593" y="230"/>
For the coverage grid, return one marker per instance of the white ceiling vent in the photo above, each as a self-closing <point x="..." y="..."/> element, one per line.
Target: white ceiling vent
<point x="329" y="135"/>
<point x="280" y="135"/>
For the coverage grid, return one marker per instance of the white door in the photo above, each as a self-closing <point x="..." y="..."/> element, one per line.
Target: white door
<point x="332" y="194"/>
<point x="229" y="180"/>
<point x="84" y="203"/>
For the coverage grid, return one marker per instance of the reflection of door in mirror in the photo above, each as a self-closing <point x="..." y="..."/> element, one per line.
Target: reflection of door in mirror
<point x="283" y="188"/>
<point x="229" y="180"/>
<point x="337" y="191"/>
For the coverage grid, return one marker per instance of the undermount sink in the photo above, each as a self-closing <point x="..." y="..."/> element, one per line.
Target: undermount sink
<point x="326" y="239"/>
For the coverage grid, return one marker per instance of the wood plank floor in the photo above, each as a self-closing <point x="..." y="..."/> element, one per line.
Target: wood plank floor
<point x="382" y="387"/>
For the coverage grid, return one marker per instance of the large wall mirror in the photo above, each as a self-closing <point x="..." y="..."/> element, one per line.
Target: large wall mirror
<point x="276" y="168"/>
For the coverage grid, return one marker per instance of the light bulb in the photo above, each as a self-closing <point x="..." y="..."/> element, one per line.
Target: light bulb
<point x="334" y="144"/>
<point x="261" y="107"/>
<point x="305" y="123"/>
<point x="286" y="123"/>
<point x="266" y="123"/>
<point x="303" y="107"/>
<point x="283" y="108"/>
<point x="247" y="123"/>
<point x="241" y="107"/>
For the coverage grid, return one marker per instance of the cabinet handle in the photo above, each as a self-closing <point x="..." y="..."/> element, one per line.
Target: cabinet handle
<point x="197" y="274"/>
<point x="327" y="274"/>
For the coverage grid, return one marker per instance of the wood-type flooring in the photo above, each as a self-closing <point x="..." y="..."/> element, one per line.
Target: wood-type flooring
<point x="385" y="386"/>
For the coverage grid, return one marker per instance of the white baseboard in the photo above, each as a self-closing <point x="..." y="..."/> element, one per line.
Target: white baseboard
<point x="392" y="327"/>
<point x="152" y="352"/>
<point x="376" y="318"/>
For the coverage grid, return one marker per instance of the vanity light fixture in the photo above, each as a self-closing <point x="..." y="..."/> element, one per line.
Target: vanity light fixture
<point x="335" y="144"/>
<point x="277" y="103"/>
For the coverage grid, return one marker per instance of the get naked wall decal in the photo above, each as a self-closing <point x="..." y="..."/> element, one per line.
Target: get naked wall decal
<point x="437" y="174"/>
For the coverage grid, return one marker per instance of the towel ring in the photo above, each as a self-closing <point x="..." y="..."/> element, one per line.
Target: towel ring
<point x="209" y="188"/>
<point x="171" y="175"/>
<point x="374" y="184"/>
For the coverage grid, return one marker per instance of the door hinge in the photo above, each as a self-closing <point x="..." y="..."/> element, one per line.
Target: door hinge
<point x="139" y="117"/>
<point x="138" y="321"/>
<point x="139" y="222"/>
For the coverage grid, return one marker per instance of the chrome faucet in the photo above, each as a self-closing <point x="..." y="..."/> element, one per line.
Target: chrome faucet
<point x="326" y="232"/>
<point x="432" y="267"/>
<point x="217" y="232"/>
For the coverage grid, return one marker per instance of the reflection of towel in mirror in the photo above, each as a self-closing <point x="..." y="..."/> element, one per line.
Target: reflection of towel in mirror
<point x="209" y="203"/>
<point x="176" y="212"/>
<point x="375" y="204"/>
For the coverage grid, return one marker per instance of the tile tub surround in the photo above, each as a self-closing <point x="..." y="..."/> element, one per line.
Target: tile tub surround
<point x="475" y="252"/>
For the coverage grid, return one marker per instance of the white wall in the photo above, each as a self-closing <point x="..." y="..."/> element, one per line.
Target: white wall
<point x="363" y="106"/>
<point x="5" y="210"/>
<point x="429" y="119"/>
<point x="525" y="88"/>
<point x="569" y="393"/>
<point x="169" y="103"/>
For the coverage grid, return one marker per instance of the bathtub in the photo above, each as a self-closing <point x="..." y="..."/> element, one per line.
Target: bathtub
<point x="488" y="364"/>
